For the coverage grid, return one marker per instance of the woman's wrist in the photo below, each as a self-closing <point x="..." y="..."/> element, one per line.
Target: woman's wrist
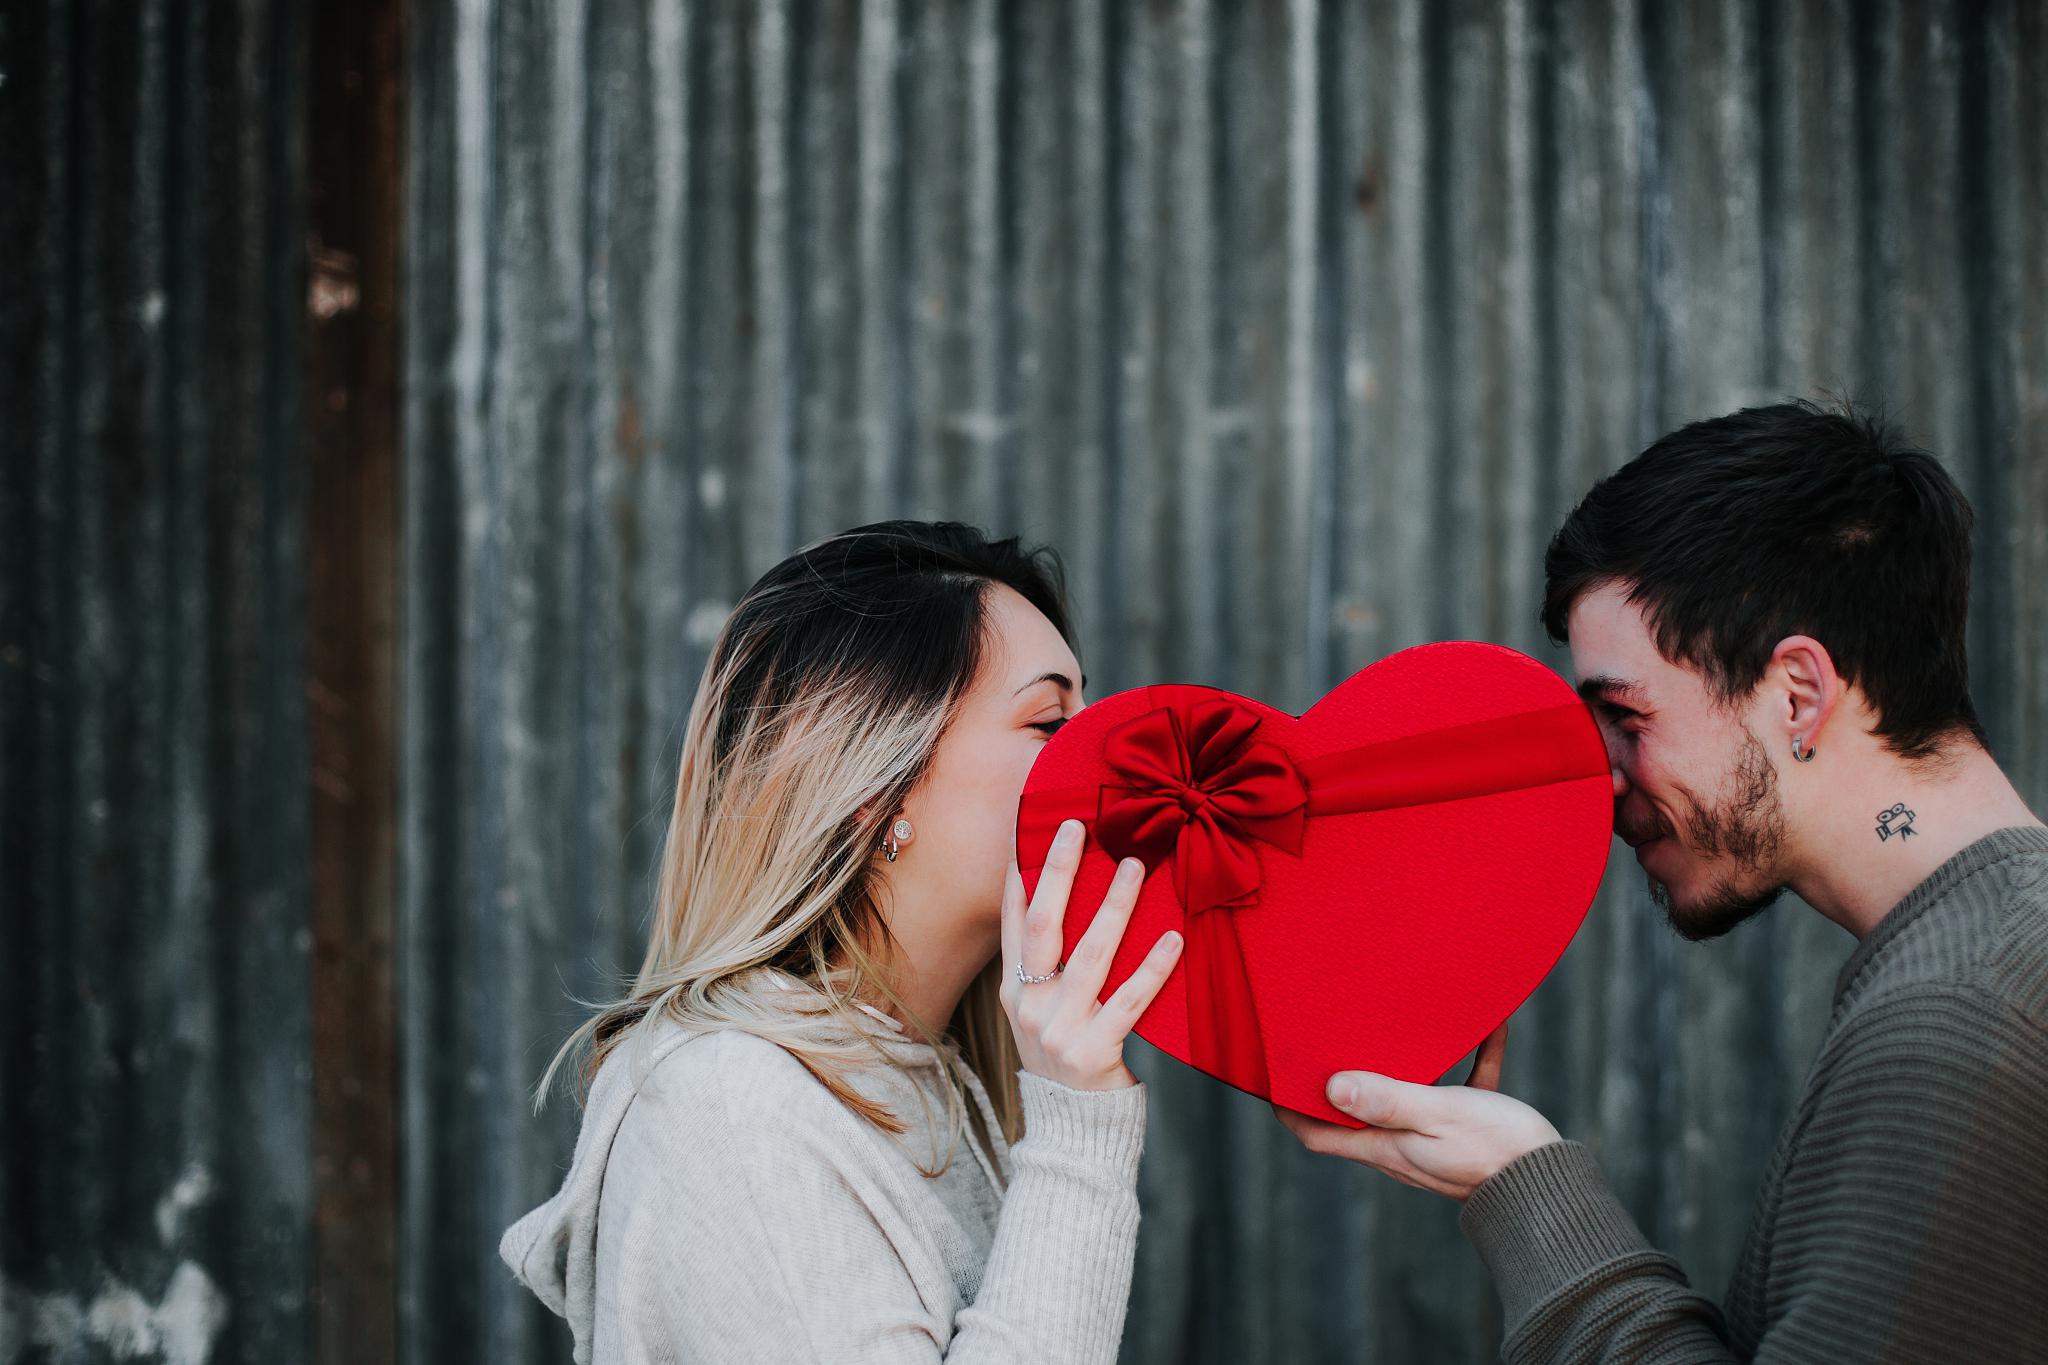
<point x="1100" y="1127"/>
<point x="1119" y="1079"/>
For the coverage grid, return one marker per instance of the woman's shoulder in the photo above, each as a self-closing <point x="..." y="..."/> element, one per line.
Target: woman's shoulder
<point x="727" y="1096"/>
<point x="718" y="1077"/>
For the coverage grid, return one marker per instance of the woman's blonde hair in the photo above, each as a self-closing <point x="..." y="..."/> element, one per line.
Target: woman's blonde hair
<point x="819" y="711"/>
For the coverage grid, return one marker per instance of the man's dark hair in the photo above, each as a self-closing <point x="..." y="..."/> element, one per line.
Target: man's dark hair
<point x="1794" y="519"/>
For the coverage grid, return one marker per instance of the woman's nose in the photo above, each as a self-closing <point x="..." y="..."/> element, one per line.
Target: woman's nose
<point x="1620" y="782"/>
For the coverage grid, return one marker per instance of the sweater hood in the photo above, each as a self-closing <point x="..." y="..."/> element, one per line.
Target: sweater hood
<point x="553" y="1249"/>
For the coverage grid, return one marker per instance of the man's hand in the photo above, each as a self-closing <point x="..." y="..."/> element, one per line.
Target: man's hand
<point x="1447" y="1139"/>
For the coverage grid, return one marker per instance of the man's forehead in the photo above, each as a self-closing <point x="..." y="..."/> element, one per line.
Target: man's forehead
<point x="1610" y="639"/>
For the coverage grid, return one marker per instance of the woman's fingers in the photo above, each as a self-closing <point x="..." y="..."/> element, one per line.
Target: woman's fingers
<point x="1013" y="924"/>
<point x="1120" y="1012"/>
<point x="1040" y="950"/>
<point x="1088" y="966"/>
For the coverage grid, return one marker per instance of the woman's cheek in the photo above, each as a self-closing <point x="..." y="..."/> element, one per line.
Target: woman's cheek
<point x="1005" y="794"/>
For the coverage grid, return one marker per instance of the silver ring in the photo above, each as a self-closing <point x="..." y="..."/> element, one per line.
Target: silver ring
<point x="1040" y="980"/>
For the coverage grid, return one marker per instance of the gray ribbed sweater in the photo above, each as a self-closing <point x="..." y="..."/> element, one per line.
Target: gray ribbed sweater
<point x="1904" y="1215"/>
<point x="722" y="1205"/>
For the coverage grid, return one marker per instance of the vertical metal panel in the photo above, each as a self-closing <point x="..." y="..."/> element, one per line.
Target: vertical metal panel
<point x="154" y="1038"/>
<point x="354" y="190"/>
<point x="1297" y="328"/>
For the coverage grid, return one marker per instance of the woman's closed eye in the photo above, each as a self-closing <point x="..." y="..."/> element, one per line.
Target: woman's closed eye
<point x="1049" y="727"/>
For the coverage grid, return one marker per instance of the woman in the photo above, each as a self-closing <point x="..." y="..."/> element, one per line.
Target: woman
<point x="796" y="1144"/>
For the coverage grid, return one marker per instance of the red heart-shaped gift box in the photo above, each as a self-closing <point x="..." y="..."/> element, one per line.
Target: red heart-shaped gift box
<point x="1373" y="886"/>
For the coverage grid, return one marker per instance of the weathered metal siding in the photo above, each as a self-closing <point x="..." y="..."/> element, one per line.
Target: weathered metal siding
<point x="1296" y="326"/>
<point x="154" y="1044"/>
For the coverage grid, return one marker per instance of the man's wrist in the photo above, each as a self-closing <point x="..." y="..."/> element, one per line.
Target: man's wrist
<point x="1517" y="1145"/>
<point x="1544" y="1219"/>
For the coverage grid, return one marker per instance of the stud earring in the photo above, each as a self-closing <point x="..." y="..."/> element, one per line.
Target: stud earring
<point x="892" y="843"/>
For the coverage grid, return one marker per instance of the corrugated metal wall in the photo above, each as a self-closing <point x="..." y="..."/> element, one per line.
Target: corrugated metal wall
<point x="1296" y="326"/>
<point x="154" y="1037"/>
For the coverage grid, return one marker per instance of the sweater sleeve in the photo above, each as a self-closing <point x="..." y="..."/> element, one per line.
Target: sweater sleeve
<point x="1059" y="1274"/>
<point x="759" y="1229"/>
<point x="1578" y="1281"/>
<point x="1909" y="1196"/>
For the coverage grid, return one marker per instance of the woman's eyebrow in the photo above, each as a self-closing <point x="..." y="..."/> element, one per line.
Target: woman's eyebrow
<point x="1059" y="680"/>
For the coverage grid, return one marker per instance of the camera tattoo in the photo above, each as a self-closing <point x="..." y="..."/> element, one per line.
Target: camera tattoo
<point x="1896" y="821"/>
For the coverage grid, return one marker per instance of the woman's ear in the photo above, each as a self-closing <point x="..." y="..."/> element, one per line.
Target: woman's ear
<point x="1805" y="672"/>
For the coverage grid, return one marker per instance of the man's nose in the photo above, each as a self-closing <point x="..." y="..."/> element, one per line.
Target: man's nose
<point x="1612" y="743"/>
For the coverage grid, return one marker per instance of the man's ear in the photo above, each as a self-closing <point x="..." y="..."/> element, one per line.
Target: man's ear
<point x="1809" y="690"/>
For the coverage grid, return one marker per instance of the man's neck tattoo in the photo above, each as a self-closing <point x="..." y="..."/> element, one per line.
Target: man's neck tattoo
<point x="1896" y="821"/>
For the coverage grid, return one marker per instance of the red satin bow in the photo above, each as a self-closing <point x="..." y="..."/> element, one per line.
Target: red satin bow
<point x="1200" y="789"/>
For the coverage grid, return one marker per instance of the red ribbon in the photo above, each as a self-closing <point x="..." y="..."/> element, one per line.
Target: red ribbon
<point x="1202" y="790"/>
<point x="1197" y="787"/>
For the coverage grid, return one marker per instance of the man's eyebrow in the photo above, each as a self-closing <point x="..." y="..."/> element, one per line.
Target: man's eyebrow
<point x="1621" y="690"/>
<point x="1059" y="680"/>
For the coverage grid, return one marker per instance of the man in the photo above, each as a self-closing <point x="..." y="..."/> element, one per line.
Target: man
<point x="1766" y="612"/>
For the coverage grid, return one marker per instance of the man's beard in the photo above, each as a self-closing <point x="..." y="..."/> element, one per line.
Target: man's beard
<point x="1749" y="829"/>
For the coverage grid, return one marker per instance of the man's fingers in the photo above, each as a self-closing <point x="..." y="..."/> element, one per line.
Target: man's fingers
<point x="1378" y="1148"/>
<point x="1318" y="1135"/>
<point x="1486" y="1066"/>
<point x="1382" y="1101"/>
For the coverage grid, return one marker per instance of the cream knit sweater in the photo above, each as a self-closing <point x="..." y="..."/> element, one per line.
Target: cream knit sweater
<point x="722" y="1206"/>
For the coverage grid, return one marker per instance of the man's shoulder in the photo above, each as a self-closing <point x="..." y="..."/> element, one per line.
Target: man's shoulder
<point x="2014" y="967"/>
<point x="2002" y="965"/>
<point x="1985" y="947"/>
<point x="1986" y="1014"/>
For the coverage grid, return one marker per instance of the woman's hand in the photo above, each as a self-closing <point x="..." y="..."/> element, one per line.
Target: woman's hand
<point x="1063" y="1033"/>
